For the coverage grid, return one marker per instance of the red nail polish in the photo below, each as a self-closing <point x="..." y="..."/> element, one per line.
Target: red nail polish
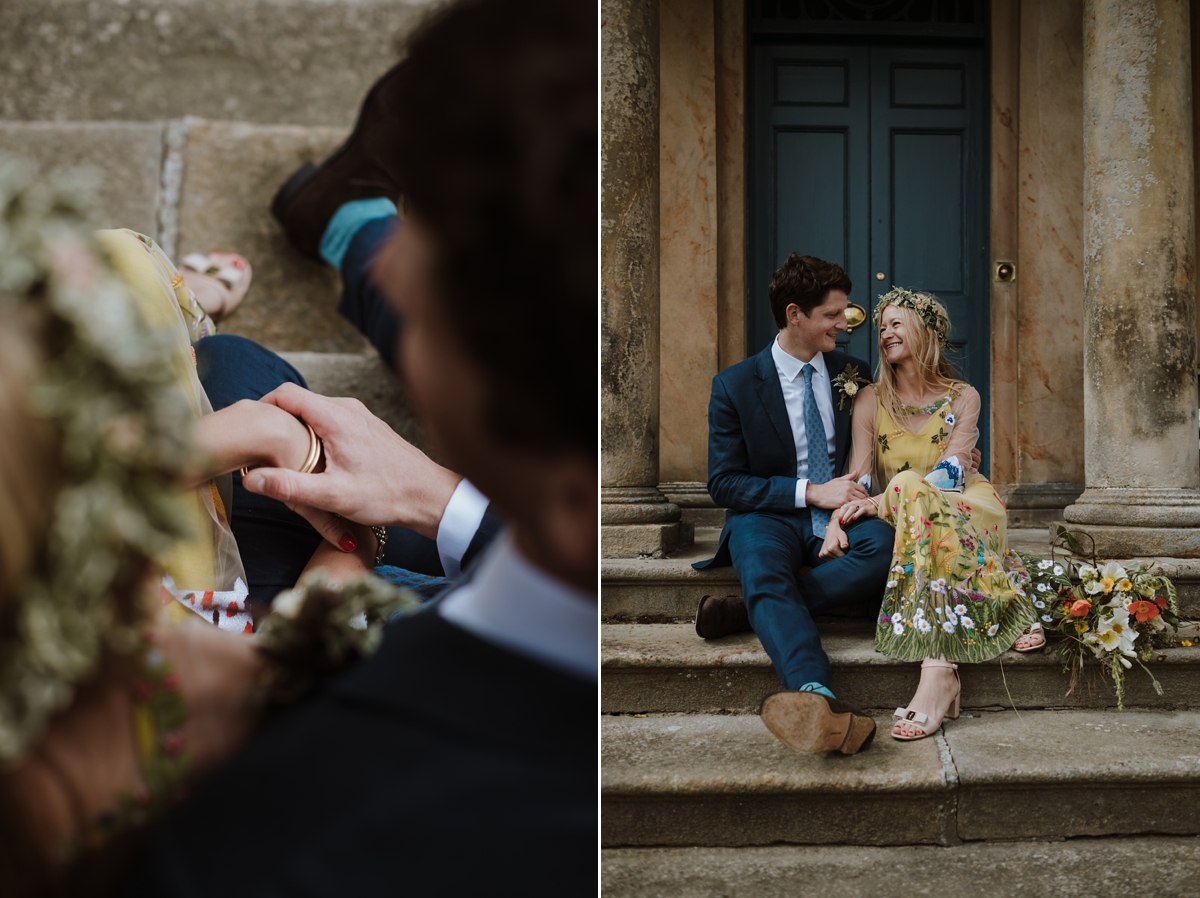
<point x="347" y="543"/>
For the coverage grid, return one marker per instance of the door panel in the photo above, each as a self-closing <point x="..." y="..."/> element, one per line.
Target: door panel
<point x="872" y="157"/>
<point x="810" y="175"/>
<point x="797" y="223"/>
<point x="928" y="193"/>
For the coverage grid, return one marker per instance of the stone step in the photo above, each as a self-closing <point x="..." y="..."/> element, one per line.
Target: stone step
<point x="724" y="780"/>
<point x="1164" y="866"/>
<point x="303" y="62"/>
<point x="661" y="590"/>
<point x="197" y="185"/>
<point x="657" y="668"/>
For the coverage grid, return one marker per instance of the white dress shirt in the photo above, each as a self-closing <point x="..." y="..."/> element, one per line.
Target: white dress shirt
<point x="522" y="609"/>
<point x="788" y="368"/>
<point x="457" y="528"/>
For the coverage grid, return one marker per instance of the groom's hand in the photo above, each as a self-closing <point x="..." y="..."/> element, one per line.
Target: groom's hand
<point x="371" y="476"/>
<point x="834" y="493"/>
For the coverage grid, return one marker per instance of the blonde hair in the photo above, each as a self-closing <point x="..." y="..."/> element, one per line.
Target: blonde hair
<point x="28" y="476"/>
<point x="933" y="368"/>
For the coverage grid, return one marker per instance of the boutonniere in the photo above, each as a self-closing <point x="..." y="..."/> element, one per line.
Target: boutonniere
<point x="847" y="384"/>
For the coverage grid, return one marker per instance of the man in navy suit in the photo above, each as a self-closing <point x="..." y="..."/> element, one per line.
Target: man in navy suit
<point x="777" y="438"/>
<point x="460" y="758"/>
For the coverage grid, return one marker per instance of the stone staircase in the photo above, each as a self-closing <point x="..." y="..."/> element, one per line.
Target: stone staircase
<point x="192" y="114"/>
<point x="1029" y="786"/>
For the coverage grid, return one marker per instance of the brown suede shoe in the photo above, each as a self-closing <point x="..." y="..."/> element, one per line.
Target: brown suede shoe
<point x="307" y="200"/>
<point x="721" y="616"/>
<point x="809" y="722"/>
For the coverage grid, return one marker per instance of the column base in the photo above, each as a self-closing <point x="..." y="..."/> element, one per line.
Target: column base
<point x="640" y="521"/>
<point x="1121" y="543"/>
<point x="634" y="540"/>
<point x="1036" y="504"/>
<point x="694" y="502"/>
<point x="1127" y="507"/>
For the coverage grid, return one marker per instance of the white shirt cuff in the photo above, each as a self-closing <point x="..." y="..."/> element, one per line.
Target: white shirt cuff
<point x="460" y="520"/>
<point x="801" y="488"/>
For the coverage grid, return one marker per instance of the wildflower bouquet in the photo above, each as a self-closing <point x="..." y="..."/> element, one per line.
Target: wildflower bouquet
<point x="1116" y="613"/>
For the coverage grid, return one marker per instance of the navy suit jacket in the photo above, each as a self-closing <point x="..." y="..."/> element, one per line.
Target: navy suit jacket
<point x="441" y="765"/>
<point x="751" y="448"/>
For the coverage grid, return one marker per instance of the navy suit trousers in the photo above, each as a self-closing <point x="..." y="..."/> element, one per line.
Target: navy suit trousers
<point x="769" y="550"/>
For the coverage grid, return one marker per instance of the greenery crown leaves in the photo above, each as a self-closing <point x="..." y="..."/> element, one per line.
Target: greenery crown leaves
<point x="925" y="306"/>
<point x="107" y="395"/>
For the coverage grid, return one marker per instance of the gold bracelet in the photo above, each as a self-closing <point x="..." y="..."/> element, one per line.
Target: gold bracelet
<point x="381" y="541"/>
<point x="316" y="449"/>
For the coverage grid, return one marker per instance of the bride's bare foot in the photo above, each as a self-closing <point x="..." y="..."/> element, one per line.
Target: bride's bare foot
<point x="1033" y="638"/>
<point x="937" y="697"/>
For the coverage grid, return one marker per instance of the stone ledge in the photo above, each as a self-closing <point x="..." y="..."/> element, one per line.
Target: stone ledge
<point x="126" y="157"/>
<point x="661" y="668"/>
<point x="726" y="781"/>
<point x="1009" y="869"/>
<point x="661" y="590"/>
<point x="307" y="62"/>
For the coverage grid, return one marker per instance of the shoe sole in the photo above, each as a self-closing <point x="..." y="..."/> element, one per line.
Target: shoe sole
<point x="804" y="722"/>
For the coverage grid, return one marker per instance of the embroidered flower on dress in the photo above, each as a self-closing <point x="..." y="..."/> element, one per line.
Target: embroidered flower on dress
<point x="898" y="628"/>
<point x="967" y="622"/>
<point x="950" y="419"/>
<point x="923" y="625"/>
<point x="993" y="629"/>
<point x="1047" y="618"/>
<point x="892" y="584"/>
<point x="1038" y="603"/>
<point x="948" y="627"/>
<point x="960" y="608"/>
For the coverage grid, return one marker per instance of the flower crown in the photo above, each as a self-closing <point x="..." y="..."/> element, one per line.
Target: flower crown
<point x="118" y="505"/>
<point x="924" y="305"/>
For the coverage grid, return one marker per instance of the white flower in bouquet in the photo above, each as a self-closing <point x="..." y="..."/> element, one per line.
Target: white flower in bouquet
<point x="1087" y="573"/>
<point x="1114" y="634"/>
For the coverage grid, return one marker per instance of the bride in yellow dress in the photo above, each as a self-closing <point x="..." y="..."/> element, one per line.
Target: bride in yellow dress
<point x="954" y="592"/>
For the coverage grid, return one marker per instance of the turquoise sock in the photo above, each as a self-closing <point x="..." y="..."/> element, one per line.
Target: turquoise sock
<point x="345" y="224"/>
<point x="816" y="687"/>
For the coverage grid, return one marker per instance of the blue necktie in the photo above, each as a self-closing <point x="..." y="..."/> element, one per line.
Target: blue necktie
<point x="819" y="468"/>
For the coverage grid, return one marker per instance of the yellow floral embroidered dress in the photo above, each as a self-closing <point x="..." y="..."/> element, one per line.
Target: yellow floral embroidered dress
<point x="950" y="593"/>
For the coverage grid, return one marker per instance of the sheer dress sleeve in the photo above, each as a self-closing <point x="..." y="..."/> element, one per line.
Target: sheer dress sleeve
<point x="964" y="433"/>
<point x="862" y="440"/>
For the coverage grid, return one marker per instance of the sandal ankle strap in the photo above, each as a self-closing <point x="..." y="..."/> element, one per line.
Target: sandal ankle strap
<point x="937" y="662"/>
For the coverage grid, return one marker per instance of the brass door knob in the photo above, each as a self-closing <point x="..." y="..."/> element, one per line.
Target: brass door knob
<point x="855" y="315"/>
<point x="879" y="275"/>
<point x="1006" y="272"/>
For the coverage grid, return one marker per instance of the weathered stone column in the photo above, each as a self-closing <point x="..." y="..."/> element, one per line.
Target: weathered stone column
<point x="1142" y="462"/>
<point x="636" y="519"/>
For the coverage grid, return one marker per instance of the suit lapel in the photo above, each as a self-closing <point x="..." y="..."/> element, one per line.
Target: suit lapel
<point x="770" y="393"/>
<point x="835" y="364"/>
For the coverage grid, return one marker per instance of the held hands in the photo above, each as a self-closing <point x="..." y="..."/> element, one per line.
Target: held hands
<point x="834" y="493"/>
<point x="836" y="542"/>
<point x="372" y="475"/>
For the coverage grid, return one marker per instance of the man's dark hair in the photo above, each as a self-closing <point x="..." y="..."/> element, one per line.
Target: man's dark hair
<point x="497" y="156"/>
<point x="805" y="281"/>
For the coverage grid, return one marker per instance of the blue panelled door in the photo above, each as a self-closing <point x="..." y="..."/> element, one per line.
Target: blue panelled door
<point x="873" y="157"/>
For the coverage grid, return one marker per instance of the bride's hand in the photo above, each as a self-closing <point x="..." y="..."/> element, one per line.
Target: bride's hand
<point x="836" y="543"/>
<point x="859" y="508"/>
